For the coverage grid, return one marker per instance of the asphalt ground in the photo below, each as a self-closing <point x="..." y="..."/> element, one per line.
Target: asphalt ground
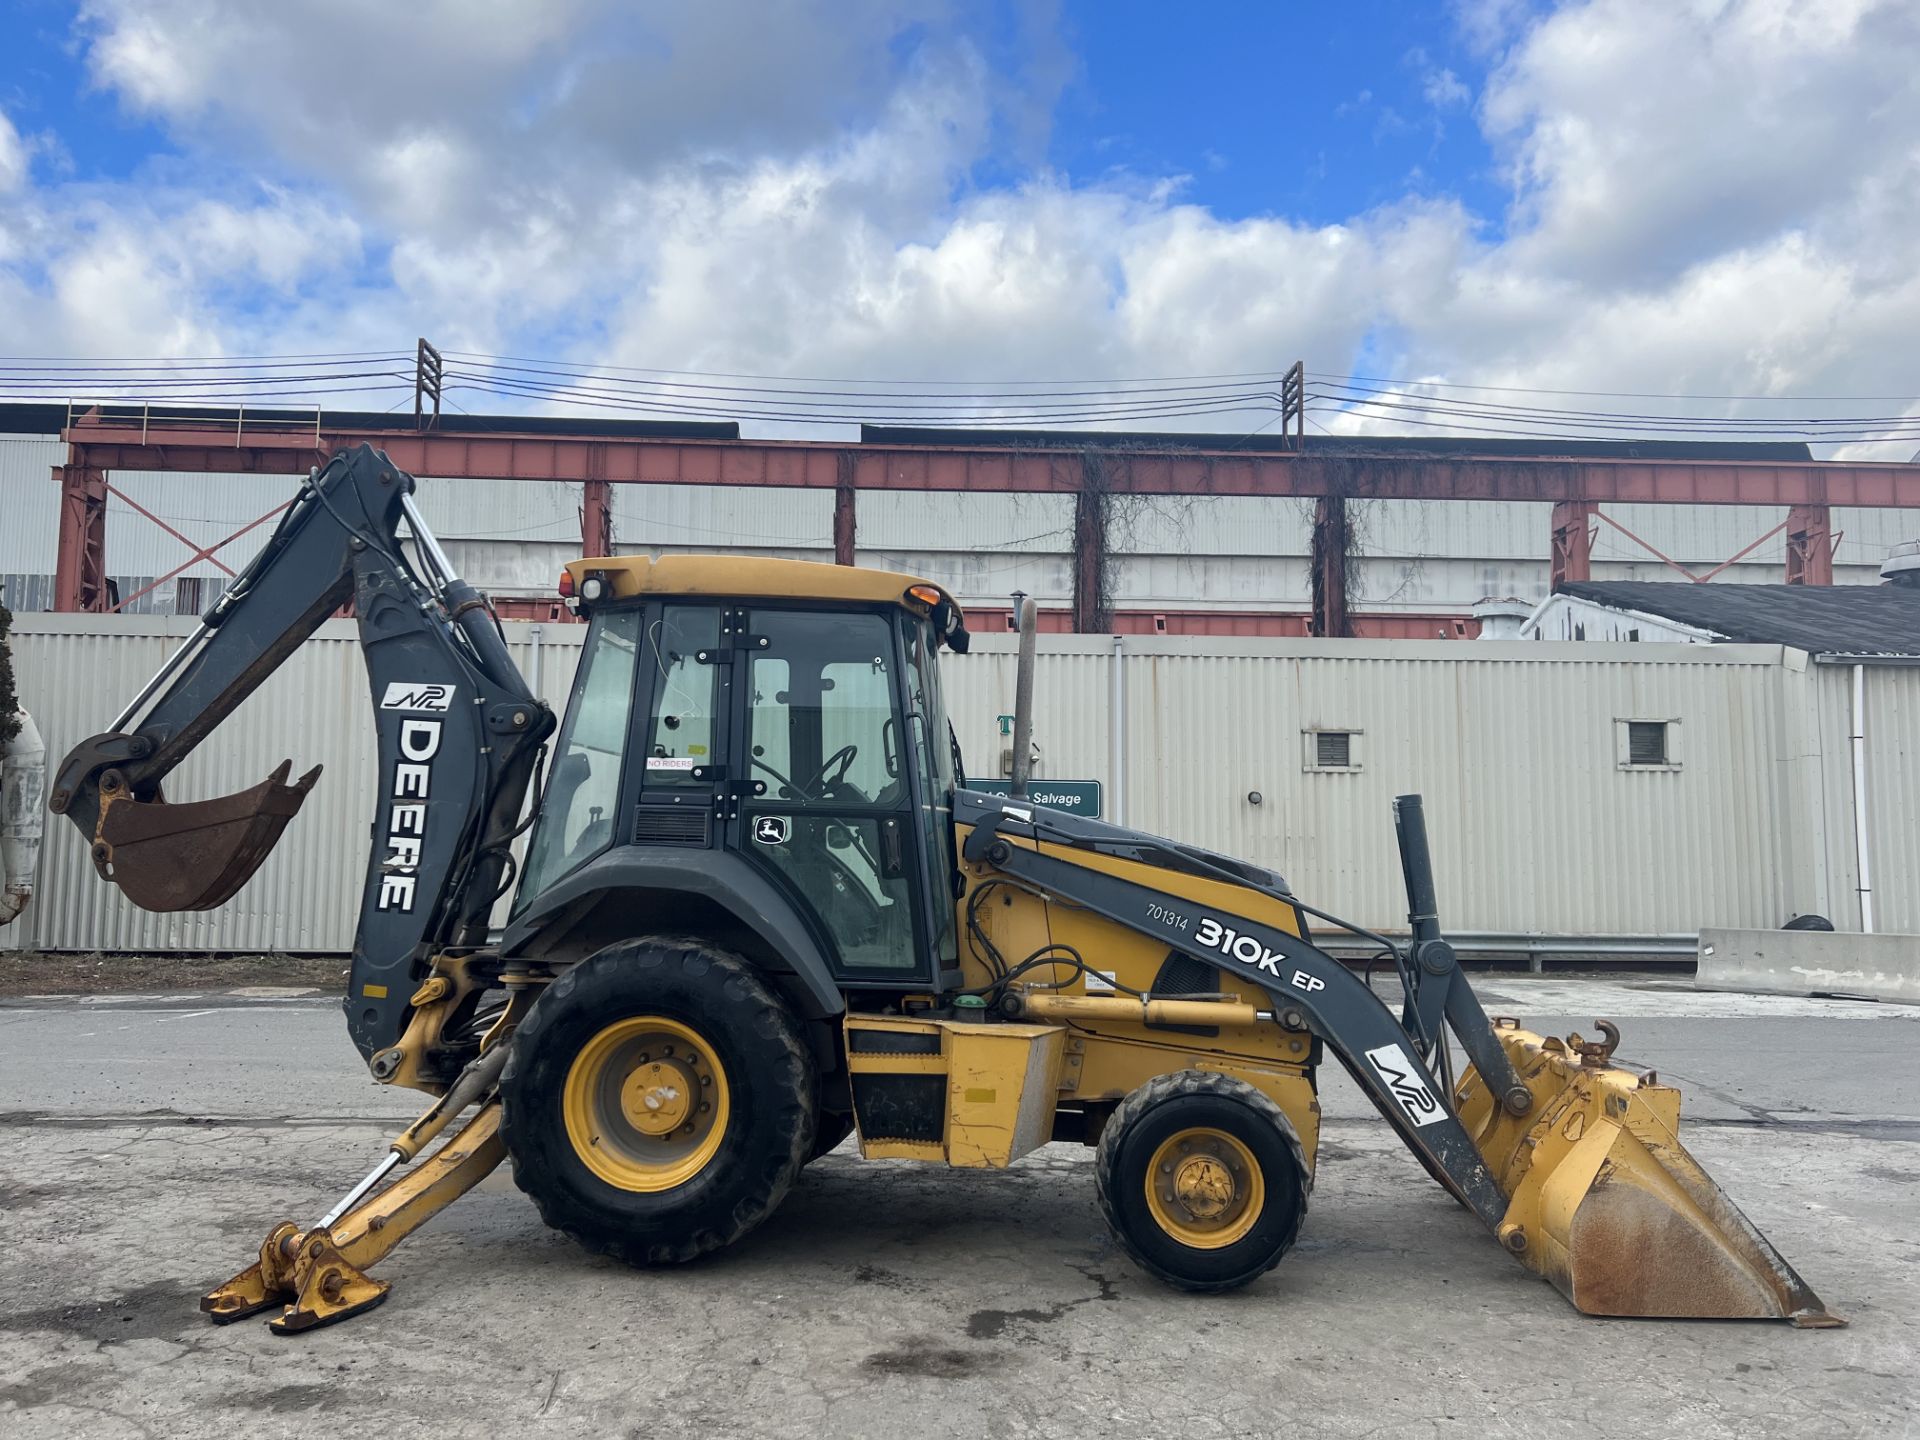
<point x="148" y="1141"/>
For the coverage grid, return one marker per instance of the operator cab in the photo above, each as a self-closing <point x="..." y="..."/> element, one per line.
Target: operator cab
<point x="787" y="719"/>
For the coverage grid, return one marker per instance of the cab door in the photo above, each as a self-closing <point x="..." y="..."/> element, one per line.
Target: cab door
<point x="826" y="792"/>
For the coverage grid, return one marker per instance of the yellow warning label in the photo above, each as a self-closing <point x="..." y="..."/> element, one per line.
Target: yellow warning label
<point x="981" y="1097"/>
<point x="374" y="992"/>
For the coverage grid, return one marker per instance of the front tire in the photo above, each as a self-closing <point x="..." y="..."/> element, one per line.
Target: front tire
<point x="1202" y="1179"/>
<point x="659" y="1101"/>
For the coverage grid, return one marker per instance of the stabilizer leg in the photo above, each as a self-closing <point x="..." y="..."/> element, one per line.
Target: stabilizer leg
<point x="332" y="1288"/>
<point x="265" y="1283"/>
<point x="319" y="1276"/>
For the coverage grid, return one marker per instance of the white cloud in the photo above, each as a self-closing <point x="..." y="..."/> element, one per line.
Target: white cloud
<point x="13" y="156"/>
<point x="1444" y="90"/>
<point x="166" y="273"/>
<point x="1487" y="25"/>
<point x="1644" y="135"/>
<point x="1713" y="196"/>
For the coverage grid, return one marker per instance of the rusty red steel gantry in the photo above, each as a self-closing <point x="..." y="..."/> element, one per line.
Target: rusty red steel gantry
<point x="1576" y="486"/>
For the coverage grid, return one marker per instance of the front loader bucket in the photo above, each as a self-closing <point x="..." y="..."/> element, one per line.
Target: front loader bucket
<point x="195" y="855"/>
<point x="1604" y="1200"/>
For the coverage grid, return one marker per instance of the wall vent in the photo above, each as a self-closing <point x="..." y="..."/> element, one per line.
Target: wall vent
<point x="1646" y="742"/>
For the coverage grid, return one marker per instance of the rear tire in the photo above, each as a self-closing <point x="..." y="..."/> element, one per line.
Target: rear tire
<point x="1202" y="1179"/>
<point x="659" y="1101"/>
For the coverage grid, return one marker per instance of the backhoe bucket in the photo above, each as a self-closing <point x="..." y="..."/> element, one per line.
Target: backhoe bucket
<point x="1604" y="1200"/>
<point x="194" y="855"/>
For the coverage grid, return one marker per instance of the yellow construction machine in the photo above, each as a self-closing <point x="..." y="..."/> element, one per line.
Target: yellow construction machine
<point x="759" y="909"/>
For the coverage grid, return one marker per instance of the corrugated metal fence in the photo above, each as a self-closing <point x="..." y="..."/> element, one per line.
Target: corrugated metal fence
<point x="1539" y="830"/>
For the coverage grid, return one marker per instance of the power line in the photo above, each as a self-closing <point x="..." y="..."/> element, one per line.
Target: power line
<point x="1457" y="407"/>
<point x="1439" y="404"/>
<point x="1555" y="422"/>
<point x="94" y="362"/>
<point x="844" y="380"/>
<point x="1607" y="394"/>
<point x="1088" y="388"/>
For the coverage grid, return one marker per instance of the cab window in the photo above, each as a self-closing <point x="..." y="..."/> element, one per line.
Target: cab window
<point x="583" y="787"/>
<point x="832" y="823"/>
<point x="681" y="730"/>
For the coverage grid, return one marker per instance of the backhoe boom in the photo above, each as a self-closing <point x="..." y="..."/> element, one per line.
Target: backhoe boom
<point x="459" y="732"/>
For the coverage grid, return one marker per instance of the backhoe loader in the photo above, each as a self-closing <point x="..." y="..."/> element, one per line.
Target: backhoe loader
<point x="759" y="910"/>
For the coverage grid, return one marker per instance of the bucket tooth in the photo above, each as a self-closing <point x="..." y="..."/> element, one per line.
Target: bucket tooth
<point x="1606" y="1202"/>
<point x="197" y="854"/>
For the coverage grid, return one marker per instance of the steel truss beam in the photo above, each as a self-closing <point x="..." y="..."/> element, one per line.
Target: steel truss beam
<point x="1574" y="486"/>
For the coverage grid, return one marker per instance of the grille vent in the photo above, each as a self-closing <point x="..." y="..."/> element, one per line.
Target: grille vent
<point x="1184" y="975"/>
<point x="1646" y="742"/>
<point x="670" y="825"/>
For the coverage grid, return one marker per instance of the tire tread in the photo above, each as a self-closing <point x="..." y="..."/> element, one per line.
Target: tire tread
<point x="612" y="970"/>
<point x="1174" y="1085"/>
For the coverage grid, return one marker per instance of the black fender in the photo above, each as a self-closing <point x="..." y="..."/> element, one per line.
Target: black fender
<point x="785" y="947"/>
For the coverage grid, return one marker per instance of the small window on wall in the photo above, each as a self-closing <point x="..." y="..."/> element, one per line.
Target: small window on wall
<point x="1332" y="751"/>
<point x="1647" y="744"/>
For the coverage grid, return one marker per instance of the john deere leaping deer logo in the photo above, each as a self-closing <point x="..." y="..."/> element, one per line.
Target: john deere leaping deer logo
<point x="771" y="829"/>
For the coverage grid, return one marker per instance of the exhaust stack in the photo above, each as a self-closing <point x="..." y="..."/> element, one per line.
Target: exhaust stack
<point x="23" y="781"/>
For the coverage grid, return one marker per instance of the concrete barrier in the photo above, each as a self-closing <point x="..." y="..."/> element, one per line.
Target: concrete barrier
<point x="1811" y="962"/>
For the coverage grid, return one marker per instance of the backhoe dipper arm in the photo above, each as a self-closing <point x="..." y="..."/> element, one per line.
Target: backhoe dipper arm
<point x="459" y="733"/>
<point x="1310" y="989"/>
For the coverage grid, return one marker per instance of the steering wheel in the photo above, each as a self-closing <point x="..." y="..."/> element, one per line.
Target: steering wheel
<point x="840" y="761"/>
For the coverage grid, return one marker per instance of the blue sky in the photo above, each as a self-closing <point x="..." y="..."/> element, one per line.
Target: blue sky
<point x="1315" y="112"/>
<point x="45" y="89"/>
<point x="1695" y="197"/>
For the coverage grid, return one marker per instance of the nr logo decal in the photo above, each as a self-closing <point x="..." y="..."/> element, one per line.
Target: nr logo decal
<point x="772" y="829"/>
<point x="1402" y="1077"/>
<point x="426" y="697"/>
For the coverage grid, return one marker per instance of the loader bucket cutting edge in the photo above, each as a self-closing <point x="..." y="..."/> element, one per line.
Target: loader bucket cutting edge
<point x="194" y="855"/>
<point x="1605" y="1202"/>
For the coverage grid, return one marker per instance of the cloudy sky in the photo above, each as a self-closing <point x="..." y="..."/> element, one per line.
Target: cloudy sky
<point x="1708" y="197"/>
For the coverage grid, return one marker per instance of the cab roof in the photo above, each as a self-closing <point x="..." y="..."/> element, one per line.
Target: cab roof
<point x="753" y="577"/>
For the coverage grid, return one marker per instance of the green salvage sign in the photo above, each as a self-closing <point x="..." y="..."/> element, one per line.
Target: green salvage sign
<point x="1076" y="797"/>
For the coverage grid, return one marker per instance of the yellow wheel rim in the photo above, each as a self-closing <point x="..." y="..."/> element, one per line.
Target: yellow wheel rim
<point x="1205" y="1189"/>
<point x="646" y="1104"/>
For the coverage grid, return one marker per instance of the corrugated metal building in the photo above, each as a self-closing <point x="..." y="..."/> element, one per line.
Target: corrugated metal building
<point x="1549" y="832"/>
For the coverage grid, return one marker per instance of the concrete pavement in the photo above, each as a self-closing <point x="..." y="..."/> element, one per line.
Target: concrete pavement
<point x="147" y="1142"/>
